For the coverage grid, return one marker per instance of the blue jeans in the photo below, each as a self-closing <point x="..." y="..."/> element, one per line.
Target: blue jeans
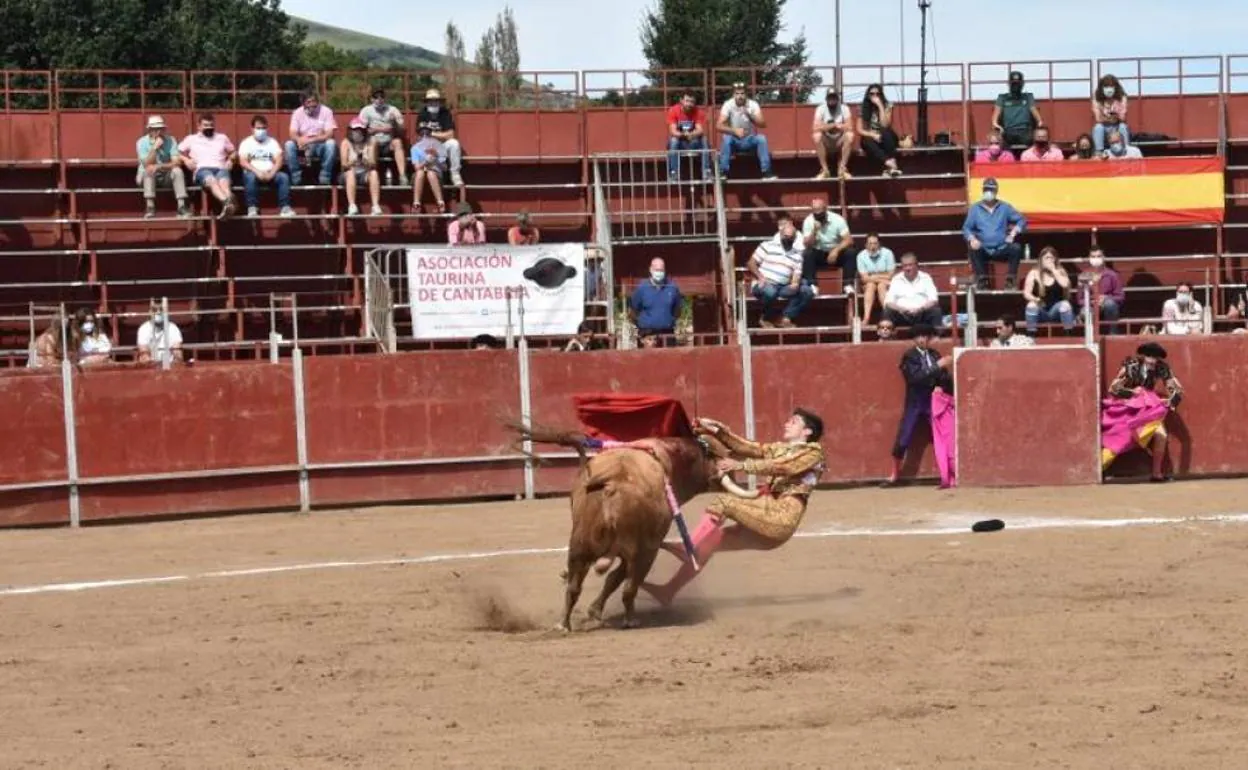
<point x="205" y="175"/>
<point x="1110" y="312"/>
<point x="326" y="153"/>
<point x="675" y="145"/>
<point x="251" y="188"/>
<point x="754" y="142"/>
<point x="767" y="293"/>
<point x="1037" y="313"/>
<point x="1100" y="131"/>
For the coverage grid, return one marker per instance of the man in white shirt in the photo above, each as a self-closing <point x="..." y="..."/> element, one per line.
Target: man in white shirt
<point x="911" y="297"/>
<point x="739" y="122"/>
<point x="1182" y="314"/>
<point x="833" y="134"/>
<point x="157" y="338"/>
<point x="261" y="157"/>
<point x="826" y="241"/>
<point x="1007" y="338"/>
<point x="777" y="271"/>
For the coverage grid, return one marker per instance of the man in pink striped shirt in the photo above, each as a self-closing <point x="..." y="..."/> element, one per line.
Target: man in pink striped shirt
<point x="466" y="230"/>
<point x="1041" y="150"/>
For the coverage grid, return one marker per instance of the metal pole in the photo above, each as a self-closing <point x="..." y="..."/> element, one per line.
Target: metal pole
<point x="301" y="431"/>
<point x="166" y="360"/>
<point x="836" y="77"/>
<point x="922" y="127"/>
<point x="71" y="429"/>
<point x="971" y="332"/>
<point x="747" y="385"/>
<point x="526" y="406"/>
<point x="272" y="329"/>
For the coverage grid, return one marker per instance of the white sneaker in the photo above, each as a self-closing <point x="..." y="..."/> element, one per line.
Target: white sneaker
<point x="287" y="211"/>
<point x="457" y="179"/>
<point x="252" y="211"/>
<point x="353" y="210"/>
<point x="849" y="291"/>
<point x="376" y="211"/>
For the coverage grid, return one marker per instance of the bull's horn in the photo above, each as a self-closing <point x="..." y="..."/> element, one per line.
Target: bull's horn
<point x="733" y="489"/>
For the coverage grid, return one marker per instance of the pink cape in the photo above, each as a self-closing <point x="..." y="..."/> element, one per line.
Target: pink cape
<point x="944" y="437"/>
<point x="1123" y="418"/>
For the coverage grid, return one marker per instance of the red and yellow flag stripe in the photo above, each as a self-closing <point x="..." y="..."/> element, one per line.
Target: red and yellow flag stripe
<point x="1119" y="193"/>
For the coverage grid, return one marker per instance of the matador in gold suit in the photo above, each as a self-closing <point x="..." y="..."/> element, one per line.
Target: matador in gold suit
<point x="791" y="468"/>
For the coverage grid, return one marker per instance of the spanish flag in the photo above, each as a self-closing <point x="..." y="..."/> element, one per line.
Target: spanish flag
<point x="1109" y="193"/>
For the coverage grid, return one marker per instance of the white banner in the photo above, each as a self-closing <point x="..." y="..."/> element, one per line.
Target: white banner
<point x="461" y="291"/>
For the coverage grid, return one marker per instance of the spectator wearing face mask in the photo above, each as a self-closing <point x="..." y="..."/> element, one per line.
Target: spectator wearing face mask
<point x="435" y="120"/>
<point x="991" y="229"/>
<point x="260" y="155"/>
<point x="157" y="339"/>
<point x="465" y="229"/>
<point x="1182" y="314"/>
<point x="1109" y="111"/>
<point x="1041" y="150"/>
<point x="359" y="167"/>
<point x="93" y="345"/>
<point x="826" y="241"/>
<point x="1015" y="114"/>
<point x="876" y="265"/>
<point x="385" y="130"/>
<point x="208" y="155"/>
<point x="777" y="271"/>
<point x="312" y="130"/>
<point x="1119" y="149"/>
<point x="995" y="151"/>
<point x="885" y="331"/>
<point x="655" y="303"/>
<point x="833" y="135"/>
<point x="1107" y="289"/>
<point x="1085" y="149"/>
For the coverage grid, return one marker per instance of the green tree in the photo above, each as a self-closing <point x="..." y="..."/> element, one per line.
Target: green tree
<point x="743" y="35"/>
<point x="507" y="54"/>
<point x="487" y="72"/>
<point x="453" y="60"/>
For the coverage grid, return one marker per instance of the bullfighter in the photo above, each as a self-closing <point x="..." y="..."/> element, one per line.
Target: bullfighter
<point x="792" y="467"/>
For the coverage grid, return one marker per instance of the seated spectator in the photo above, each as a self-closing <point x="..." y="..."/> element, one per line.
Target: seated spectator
<point x="585" y="339"/>
<point x="487" y="342"/>
<point x="655" y="303"/>
<point x="523" y="232"/>
<point x="385" y="131"/>
<point x="1041" y="150"/>
<point x="781" y="223"/>
<point x="739" y="122"/>
<point x="1015" y="114"/>
<point x="158" y="338"/>
<point x="876" y="265"/>
<point x="312" y="130"/>
<point x="435" y="120"/>
<point x="875" y="126"/>
<point x="160" y="165"/>
<point x="885" y="330"/>
<point x="1007" y="338"/>
<point x="777" y="271"/>
<point x="1107" y="290"/>
<point x="1084" y="149"/>
<point x="1047" y="291"/>
<point x="1119" y="149"/>
<point x="991" y="229"/>
<point x="648" y="340"/>
<point x="359" y="166"/>
<point x="261" y="158"/>
<point x="826" y="241"/>
<point x="1109" y="112"/>
<point x="911" y="297"/>
<point x="995" y="152"/>
<point x="46" y="349"/>
<point x="208" y="156"/>
<point x="834" y="135"/>
<point x="428" y="166"/>
<point x="93" y="345"/>
<point x="686" y="130"/>
<point x="1182" y="314"/>
<point x="465" y="229"/>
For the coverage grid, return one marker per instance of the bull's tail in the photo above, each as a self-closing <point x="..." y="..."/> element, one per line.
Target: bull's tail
<point x="541" y="434"/>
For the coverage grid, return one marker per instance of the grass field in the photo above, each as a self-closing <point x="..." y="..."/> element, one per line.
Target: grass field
<point x="377" y="51"/>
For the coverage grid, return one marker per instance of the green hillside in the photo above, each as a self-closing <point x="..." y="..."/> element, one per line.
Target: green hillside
<point x="377" y="51"/>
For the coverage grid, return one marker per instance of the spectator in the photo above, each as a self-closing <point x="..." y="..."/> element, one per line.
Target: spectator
<point x="312" y="130"/>
<point x="875" y="126"/>
<point x="428" y="166"/>
<point x="158" y="337"/>
<point x="990" y="229"/>
<point x="1006" y="338"/>
<point x="1047" y="291"/>
<point x="1041" y="150"/>
<point x="777" y="271"/>
<point x="47" y="348"/>
<point x="1109" y="112"/>
<point x="1107" y="289"/>
<point x="995" y="152"/>
<point x="385" y="130"/>
<point x="208" y="156"/>
<point x="655" y="304"/>
<point x="465" y="229"/>
<point x="435" y="120"/>
<point x="160" y="165"/>
<point x="585" y="339"/>
<point x="911" y="297"/>
<point x="885" y="331"/>
<point x="833" y="135"/>
<point x="1015" y="115"/>
<point x="487" y="342"/>
<point x="359" y="166"/>
<point x="826" y="240"/>
<point x="1182" y="314"/>
<point x="1119" y="149"/>
<point x="1084" y="149"/>
<point x="261" y="158"/>
<point x="648" y="340"/>
<point x="523" y="233"/>
<point x="782" y="222"/>
<point x="739" y="121"/>
<point x="93" y="345"/>
<point x="876" y="265"/>
<point x="923" y="372"/>
<point x="686" y="130"/>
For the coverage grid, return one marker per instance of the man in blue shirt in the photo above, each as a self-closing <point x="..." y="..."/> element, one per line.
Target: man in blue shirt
<point x="655" y="304"/>
<point x="991" y="230"/>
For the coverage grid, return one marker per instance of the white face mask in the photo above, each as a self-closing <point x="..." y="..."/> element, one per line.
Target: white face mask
<point x="1107" y="91"/>
<point x="1183" y="298"/>
<point x="1096" y="263"/>
<point x="990" y="196"/>
<point x="88" y="327"/>
<point x="657" y="276"/>
<point x="261" y="134"/>
<point x="434" y="108"/>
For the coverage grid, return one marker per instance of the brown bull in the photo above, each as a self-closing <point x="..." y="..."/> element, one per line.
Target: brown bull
<point x="620" y="508"/>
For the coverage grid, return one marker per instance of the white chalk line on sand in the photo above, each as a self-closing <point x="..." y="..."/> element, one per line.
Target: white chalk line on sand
<point x="955" y="524"/>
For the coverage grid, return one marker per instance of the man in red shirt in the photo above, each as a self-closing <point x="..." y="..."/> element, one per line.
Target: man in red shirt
<point x="686" y="130"/>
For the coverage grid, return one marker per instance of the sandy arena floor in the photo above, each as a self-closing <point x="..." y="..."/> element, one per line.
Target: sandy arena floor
<point x="1057" y="646"/>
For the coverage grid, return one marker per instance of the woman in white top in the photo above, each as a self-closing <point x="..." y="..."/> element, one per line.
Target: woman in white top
<point x="359" y="166"/>
<point x="93" y="345"/>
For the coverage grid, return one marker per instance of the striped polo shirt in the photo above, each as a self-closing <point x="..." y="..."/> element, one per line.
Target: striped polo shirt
<point x="775" y="264"/>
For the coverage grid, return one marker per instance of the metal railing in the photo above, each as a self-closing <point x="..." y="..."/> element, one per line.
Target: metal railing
<point x="378" y="304"/>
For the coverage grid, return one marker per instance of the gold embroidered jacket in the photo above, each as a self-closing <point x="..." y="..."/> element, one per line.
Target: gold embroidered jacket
<point x="790" y="469"/>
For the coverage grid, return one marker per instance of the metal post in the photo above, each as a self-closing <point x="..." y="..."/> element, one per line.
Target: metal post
<point x="526" y="405"/>
<point x="273" y="352"/>
<point x="970" y="335"/>
<point x="166" y="360"/>
<point x="747" y="385"/>
<point x="71" y="428"/>
<point x="1089" y="330"/>
<point x="922" y="138"/>
<point x="301" y="431"/>
<point x="836" y="77"/>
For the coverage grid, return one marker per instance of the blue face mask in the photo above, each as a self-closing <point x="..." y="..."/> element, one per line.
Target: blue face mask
<point x="1118" y="148"/>
<point x="261" y="134"/>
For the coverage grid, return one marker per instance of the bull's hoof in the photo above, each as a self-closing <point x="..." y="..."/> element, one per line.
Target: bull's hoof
<point x="563" y="628"/>
<point x="594" y="613"/>
<point x="631" y="623"/>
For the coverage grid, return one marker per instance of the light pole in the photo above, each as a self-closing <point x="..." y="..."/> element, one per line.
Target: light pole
<point x="924" y="5"/>
<point x="836" y="77"/>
